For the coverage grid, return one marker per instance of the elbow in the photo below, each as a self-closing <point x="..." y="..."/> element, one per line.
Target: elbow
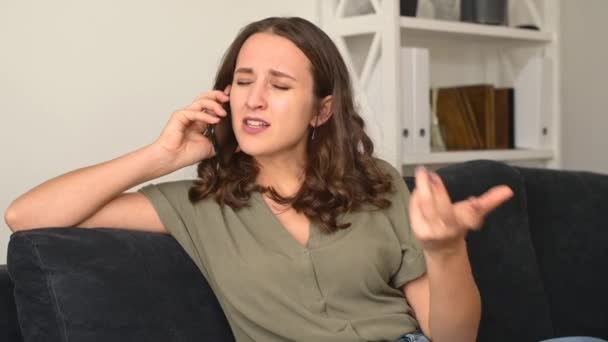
<point x="14" y="220"/>
<point x="10" y="218"/>
<point x="17" y="219"/>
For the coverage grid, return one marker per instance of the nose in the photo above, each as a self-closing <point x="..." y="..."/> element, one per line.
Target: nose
<point x="256" y="98"/>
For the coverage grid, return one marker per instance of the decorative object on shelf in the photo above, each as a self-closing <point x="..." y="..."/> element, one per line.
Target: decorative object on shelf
<point x="408" y="7"/>
<point x="358" y="7"/>
<point x="446" y="9"/>
<point x="425" y="9"/>
<point x="528" y="27"/>
<point x="489" y="12"/>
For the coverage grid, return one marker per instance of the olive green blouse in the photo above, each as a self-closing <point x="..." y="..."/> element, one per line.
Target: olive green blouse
<point x="345" y="286"/>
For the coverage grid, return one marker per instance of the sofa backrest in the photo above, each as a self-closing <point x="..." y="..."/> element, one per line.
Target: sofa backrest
<point x="120" y="285"/>
<point x="110" y="285"/>
<point x="568" y="213"/>
<point x="503" y="260"/>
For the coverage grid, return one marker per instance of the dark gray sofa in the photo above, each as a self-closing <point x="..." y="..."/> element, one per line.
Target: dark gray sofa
<point x="540" y="261"/>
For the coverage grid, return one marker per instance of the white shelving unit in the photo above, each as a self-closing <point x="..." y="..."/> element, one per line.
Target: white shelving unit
<point x="371" y="33"/>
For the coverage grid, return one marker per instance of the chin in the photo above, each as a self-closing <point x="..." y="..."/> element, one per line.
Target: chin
<point x="253" y="150"/>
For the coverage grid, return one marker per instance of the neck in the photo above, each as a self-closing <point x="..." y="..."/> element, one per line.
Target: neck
<point x="285" y="175"/>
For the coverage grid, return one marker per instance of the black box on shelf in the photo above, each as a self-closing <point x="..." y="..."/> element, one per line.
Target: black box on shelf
<point x="489" y="12"/>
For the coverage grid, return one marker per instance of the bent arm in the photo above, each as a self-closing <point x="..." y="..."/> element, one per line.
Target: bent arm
<point x="446" y="300"/>
<point x="76" y="196"/>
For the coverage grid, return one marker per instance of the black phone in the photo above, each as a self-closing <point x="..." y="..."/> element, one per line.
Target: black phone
<point x="222" y="137"/>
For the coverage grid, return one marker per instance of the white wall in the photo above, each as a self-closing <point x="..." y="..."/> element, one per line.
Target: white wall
<point x="82" y="82"/>
<point x="584" y="54"/>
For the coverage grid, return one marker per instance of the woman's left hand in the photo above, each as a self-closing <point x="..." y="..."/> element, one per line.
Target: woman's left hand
<point x="440" y="225"/>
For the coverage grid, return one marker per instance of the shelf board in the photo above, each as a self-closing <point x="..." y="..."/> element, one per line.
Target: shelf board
<point x="462" y="156"/>
<point x="455" y="28"/>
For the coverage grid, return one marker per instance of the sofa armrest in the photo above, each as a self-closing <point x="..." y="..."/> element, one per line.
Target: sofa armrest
<point x="110" y="285"/>
<point x="9" y="325"/>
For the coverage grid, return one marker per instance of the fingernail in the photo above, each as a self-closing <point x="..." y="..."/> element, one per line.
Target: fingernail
<point x="420" y="168"/>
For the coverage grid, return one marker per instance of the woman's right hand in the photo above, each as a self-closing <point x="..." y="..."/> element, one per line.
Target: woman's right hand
<point x="183" y="136"/>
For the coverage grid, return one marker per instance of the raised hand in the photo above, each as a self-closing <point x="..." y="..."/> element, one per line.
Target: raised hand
<point x="182" y="136"/>
<point x="440" y="225"/>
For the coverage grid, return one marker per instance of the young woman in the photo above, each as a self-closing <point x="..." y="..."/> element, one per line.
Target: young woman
<point x="303" y="234"/>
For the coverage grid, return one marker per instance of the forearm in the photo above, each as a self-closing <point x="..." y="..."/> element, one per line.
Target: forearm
<point x="455" y="304"/>
<point x="69" y="199"/>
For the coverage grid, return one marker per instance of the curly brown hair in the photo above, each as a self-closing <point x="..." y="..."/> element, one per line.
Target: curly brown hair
<point x="341" y="174"/>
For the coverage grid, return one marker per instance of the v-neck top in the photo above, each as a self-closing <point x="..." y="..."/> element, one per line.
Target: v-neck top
<point x="343" y="286"/>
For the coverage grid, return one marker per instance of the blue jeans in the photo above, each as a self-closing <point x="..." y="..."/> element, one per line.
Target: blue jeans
<point x="575" y="339"/>
<point x="413" y="337"/>
<point x="419" y="337"/>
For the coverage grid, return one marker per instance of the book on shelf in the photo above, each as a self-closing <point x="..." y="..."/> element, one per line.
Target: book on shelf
<point x="474" y="117"/>
<point x="504" y="111"/>
<point x="456" y="120"/>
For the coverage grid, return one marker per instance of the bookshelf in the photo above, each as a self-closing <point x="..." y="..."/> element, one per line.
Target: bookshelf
<point x="371" y="36"/>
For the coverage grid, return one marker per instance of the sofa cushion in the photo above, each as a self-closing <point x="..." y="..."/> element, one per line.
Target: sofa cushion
<point x="503" y="260"/>
<point x="567" y="211"/>
<point x="9" y="326"/>
<point x="77" y="284"/>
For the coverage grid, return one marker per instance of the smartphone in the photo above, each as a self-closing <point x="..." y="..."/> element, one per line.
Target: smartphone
<point x="222" y="137"/>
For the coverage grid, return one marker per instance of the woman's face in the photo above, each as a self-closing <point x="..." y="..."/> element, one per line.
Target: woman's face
<point x="272" y="98"/>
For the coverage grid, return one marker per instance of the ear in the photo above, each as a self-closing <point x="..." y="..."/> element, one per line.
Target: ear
<point x="325" y="112"/>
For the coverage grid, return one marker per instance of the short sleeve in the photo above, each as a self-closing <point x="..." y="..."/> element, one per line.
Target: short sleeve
<point x="413" y="264"/>
<point x="171" y="202"/>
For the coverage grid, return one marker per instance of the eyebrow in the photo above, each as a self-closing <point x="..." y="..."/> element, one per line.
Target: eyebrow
<point x="273" y="72"/>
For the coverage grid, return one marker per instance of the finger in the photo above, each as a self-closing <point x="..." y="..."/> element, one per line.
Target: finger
<point x="186" y="117"/>
<point x="208" y="106"/>
<point x="425" y="195"/>
<point x="199" y="126"/>
<point x="227" y="89"/>
<point x="468" y="213"/>
<point x="415" y="216"/>
<point x="443" y="203"/>
<point x="215" y="95"/>
<point x="472" y="211"/>
<point x="494" y="197"/>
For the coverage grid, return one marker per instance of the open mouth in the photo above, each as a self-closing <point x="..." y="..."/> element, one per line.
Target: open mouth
<point x="256" y="123"/>
<point x="254" y="126"/>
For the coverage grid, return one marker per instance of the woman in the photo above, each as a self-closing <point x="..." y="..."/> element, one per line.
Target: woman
<point x="303" y="235"/>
